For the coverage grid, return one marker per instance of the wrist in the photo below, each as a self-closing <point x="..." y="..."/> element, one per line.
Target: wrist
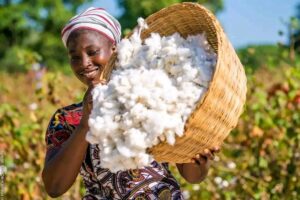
<point x="84" y="125"/>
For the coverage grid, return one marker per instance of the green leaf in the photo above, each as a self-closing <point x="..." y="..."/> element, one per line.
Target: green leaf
<point x="263" y="163"/>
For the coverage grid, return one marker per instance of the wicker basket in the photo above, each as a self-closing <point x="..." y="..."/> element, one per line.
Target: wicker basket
<point x="217" y="113"/>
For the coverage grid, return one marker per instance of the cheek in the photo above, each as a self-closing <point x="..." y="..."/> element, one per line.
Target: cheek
<point x="74" y="67"/>
<point x="109" y="53"/>
<point x="104" y="58"/>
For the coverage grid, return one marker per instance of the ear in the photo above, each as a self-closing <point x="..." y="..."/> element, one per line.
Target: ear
<point x="114" y="48"/>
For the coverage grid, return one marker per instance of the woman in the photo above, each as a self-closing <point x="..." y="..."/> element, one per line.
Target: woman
<point x="91" y="38"/>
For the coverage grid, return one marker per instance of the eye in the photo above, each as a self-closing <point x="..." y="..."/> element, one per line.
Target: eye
<point x="74" y="58"/>
<point x="93" y="52"/>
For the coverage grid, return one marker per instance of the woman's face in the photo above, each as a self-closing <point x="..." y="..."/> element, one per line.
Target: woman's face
<point x="89" y="51"/>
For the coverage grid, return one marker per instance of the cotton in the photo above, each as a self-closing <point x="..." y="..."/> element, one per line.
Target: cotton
<point x="153" y="90"/>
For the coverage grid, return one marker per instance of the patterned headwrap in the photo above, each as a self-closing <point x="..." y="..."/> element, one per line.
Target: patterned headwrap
<point x="94" y="19"/>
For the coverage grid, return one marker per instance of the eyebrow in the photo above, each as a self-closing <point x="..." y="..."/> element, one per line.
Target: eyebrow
<point x="90" y="46"/>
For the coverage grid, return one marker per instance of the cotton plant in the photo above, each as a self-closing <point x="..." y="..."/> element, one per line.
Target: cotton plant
<point x="151" y="93"/>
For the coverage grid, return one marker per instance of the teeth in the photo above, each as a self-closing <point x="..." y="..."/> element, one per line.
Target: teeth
<point x="86" y="72"/>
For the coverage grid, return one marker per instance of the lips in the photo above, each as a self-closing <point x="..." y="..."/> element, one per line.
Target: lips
<point x="90" y="73"/>
<point x="87" y="71"/>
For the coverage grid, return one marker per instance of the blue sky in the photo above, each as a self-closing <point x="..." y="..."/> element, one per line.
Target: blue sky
<point x="244" y="21"/>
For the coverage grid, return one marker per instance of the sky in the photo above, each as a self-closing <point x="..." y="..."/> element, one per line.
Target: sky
<point x="245" y="22"/>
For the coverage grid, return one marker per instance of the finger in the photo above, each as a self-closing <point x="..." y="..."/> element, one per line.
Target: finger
<point x="193" y="160"/>
<point x="201" y="160"/>
<point x="103" y="81"/>
<point x="215" y="149"/>
<point x="88" y="98"/>
<point x="91" y="87"/>
<point x="207" y="153"/>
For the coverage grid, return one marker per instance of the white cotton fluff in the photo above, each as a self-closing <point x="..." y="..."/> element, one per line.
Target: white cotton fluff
<point x="152" y="92"/>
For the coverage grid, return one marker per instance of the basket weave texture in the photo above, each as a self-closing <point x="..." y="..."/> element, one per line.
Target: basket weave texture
<point x="217" y="113"/>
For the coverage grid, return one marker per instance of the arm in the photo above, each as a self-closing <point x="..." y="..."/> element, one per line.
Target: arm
<point x="197" y="170"/>
<point x="62" y="165"/>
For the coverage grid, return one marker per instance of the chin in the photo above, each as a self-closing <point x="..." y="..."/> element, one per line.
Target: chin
<point x="92" y="81"/>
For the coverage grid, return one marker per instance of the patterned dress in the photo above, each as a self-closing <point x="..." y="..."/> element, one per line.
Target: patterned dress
<point x="153" y="182"/>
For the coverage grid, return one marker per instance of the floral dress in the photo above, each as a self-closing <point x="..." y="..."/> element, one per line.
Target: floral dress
<point x="152" y="182"/>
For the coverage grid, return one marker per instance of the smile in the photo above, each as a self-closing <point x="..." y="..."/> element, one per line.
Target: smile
<point x="88" y="71"/>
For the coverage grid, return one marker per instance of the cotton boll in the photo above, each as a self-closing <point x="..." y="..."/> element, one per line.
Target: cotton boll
<point x="95" y="128"/>
<point x="129" y="104"/>
<point x="154" y="122"/>
<point x="110" y="105"/>
<point x="117" y="118"/>
<point x="121" y="99"/>
<point x="180" y="128"/>
<point x="106" y="142"/>
<point x="143" y="159"/>
<point x="154" y="44"/>
<point x="191" y="73"/>
<point x="124" y="58"/>
<point x="136" y="139"/>
<point x="174" y="70"/>
<point x="155" y="63"/>
<point x="186" y="113"/>
<point x="170" y="137"/>
<point x="142" y="24"/>
<point x="138" y="111"/>
<point x="170" y="95"/>
<point x="168" y="50"/>
<point x="125" y="124"/>
<point x="162" y="138"/>
<point x="124" y="150"/>
<point x="161" y="107"/>
<point x="107" y="149"/>
<point x="184" y="53"/>
<point x="136" y="42"/>
<point x="134" y="79"/>
<point x="154" y="141"/>
<point x="108" y="111"/>
<point x="123" y="81"/>
<point x="130" y="163"/>
<point x="179" y="79"/>
<point x="113" y="161"/>
<point x="172" y="120"/>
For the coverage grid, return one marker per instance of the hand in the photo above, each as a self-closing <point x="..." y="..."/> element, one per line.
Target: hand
<point x="205" y="156"/>
<point x="87" y="104"/>
<point x="197" y="170"/>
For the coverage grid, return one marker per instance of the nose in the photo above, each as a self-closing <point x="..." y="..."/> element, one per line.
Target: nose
<point x="86" y="61"/>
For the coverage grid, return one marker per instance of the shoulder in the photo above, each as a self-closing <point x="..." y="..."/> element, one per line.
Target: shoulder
<point x="62" y="124"/>
<point x="70" y="114"/>
<point x="65" y="119"/>
<point x="75" y="107"/>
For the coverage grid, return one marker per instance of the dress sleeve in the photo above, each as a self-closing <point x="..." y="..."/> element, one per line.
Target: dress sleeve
<point x="57" y="133"/>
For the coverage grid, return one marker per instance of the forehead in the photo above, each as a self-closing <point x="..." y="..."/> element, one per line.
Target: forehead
<point x="82" y="38"/>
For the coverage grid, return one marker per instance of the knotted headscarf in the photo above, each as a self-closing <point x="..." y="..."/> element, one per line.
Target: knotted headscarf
<point x="94" y="19"/>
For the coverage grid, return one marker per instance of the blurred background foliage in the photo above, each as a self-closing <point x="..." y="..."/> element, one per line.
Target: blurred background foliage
<point x="30" y="32"/>
<point x="144" y="8"/>
<point x="30" y="29"/>
<point x="259" y="160"/>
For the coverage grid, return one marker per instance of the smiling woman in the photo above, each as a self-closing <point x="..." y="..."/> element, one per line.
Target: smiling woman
<point x="91" y="38"/>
